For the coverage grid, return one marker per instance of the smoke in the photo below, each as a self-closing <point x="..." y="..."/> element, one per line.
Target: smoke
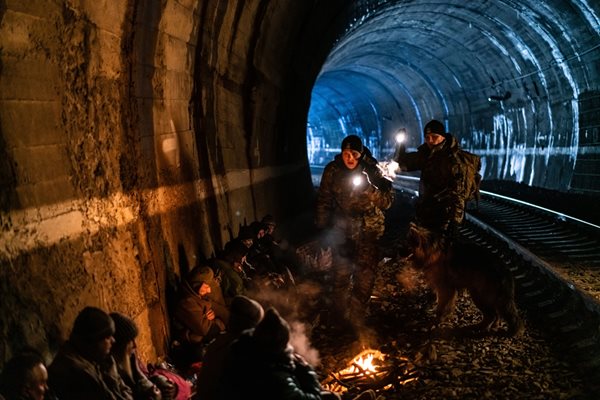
<point x="293" y="304"/>
<point x="301" y="343"/>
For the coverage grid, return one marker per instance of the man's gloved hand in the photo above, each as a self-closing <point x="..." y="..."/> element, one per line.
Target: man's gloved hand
<point x="371" y="168"/>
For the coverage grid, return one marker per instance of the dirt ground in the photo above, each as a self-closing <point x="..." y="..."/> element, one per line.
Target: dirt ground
<point x="451" y="362"/>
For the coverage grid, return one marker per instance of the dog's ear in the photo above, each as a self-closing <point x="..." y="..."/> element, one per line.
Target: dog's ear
<point x="413" y="228"/>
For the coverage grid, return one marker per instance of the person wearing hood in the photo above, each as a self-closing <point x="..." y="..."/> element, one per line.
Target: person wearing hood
<point x="262" y="364"/>
<point x="349" y="213"/>
<point x="230" y="267"/>
<point x="195" y="321"/>
<point x="246" y="313"/>
<point x="440" y="206"/>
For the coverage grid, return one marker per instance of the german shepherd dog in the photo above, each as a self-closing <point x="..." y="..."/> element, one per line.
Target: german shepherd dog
<point x="448" y="269"/>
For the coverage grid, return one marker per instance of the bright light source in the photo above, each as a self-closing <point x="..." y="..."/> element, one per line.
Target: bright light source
<point x="400" y="137"/>
<point x="391" y="168"/>
<point x="357" y="180"/>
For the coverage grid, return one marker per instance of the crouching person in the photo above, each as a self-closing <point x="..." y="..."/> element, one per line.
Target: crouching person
<point x="83" y="367"/>
<point x="195" y="321"/>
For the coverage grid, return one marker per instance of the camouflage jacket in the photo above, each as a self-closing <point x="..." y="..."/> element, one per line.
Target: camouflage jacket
<point x="355" y="210"/>
<point x="441" y="197"/>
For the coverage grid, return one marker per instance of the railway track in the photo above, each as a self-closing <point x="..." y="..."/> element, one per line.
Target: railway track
<point x="555" y="260"/>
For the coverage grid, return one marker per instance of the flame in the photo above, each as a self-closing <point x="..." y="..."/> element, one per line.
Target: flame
<point x="363" y="362"/>
<point x="369" y="369"/>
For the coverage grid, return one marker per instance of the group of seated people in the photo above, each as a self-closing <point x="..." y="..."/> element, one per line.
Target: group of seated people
<point x="251" y="359"/>
<point x="242" y="351"/>
<point x="250" y="264"/>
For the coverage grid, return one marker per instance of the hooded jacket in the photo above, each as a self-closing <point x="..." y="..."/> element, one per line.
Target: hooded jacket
<point x="191" y="322"/>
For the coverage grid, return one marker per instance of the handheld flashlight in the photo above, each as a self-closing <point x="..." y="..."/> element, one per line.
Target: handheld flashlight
<point x="357" y="180"/>
<point x="401" y="136"/>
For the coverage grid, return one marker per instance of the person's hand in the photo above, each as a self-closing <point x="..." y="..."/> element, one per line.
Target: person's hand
<point x="210" y="315"/>
<point x="154" y="393"/>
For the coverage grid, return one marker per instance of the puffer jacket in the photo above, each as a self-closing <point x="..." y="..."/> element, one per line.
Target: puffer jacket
<point x="441" y="198"/>
<point x="250" y="372"/>
<point x="358" y="211"/>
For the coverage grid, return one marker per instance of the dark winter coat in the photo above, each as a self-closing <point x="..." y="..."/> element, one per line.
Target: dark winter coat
<point x="232" y="282"/>
<point x="252" y="373"/>
<point x="356" y="211"/>
<point x="73" y="377"/>
<point x="441" y="198"/>
<point x="191" y="322"/>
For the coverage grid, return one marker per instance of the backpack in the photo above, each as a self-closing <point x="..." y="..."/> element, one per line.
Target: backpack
<point x="470" y="165"/>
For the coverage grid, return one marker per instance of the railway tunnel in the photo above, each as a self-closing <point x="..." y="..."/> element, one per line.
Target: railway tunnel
<point x="136" y="137"/>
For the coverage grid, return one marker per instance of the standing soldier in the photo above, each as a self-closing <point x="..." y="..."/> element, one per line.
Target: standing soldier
<point x="442" y="193"/>
<point x="351" y="197"/>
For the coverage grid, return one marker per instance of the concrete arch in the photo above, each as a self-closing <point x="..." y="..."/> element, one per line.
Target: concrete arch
<point x="136" y="136"/>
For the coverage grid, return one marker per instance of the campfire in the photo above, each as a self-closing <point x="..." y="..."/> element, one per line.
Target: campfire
<point x="371" y="369"/>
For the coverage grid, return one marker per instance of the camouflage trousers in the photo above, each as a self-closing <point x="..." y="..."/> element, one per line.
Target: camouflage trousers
<point x="354" y="265"/>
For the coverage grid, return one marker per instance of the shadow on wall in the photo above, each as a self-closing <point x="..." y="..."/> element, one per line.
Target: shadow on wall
<point x="8" y="182"/>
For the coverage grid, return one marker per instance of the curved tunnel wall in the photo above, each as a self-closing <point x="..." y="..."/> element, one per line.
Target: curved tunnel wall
<point x="135" y="139"/>
<point x="517" y="82"/>
<point x="136" y="136"/>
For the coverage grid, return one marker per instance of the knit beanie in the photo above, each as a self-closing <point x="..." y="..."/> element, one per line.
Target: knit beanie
<point x="125" y="328"/>
<point x="200" y="275"/>
<point x="434" y="127"/>
<point x="234" y="251"/>
<point x="268" y="220"/>
<point x="256" y="226"/>
<point x="246" y="232"/>
<point x="245" y="313"/>
<point x="352" y="142"/>
<point x="272" y="334"/>
<point x="92" y="324"/>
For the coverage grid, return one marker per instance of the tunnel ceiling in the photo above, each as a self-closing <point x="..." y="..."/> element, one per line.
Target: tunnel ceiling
<point x="402" y="63"/>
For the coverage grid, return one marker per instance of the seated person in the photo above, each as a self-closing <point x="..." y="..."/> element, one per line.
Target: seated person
<point x="262" y="364"/>
<point x="128" y="365"/>
<point x="83" y="367"/>
<point x="195" y="322"/>
<point x="246" y="236"/>
<point x="279" y="250"/>
<point x="25" y="377"/>
<point x="230" y="268"/>
<point x="245" y="314"/>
